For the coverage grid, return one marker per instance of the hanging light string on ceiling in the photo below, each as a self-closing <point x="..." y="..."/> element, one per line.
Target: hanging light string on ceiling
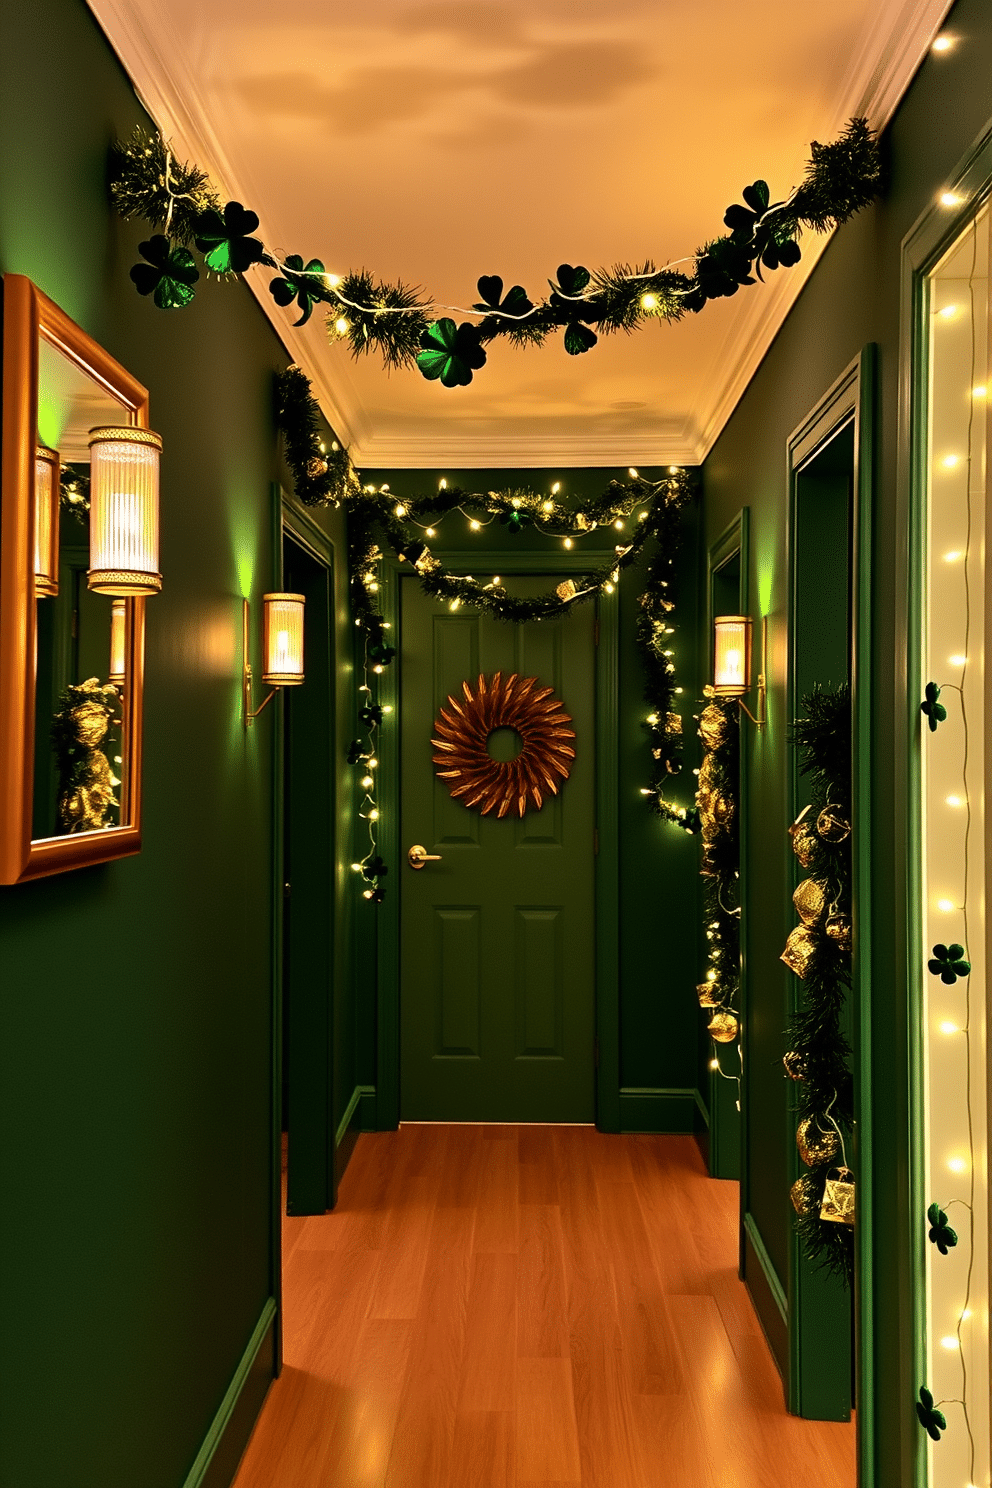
<point x="947" y="962"/>
<point x="394" y="322"/>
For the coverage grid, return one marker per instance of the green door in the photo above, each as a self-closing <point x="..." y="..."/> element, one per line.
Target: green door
<point x="497" y="990"/>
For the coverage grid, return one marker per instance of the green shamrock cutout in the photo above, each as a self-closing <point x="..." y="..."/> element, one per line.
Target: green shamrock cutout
<point x="224" y="242"/>
<point x="723" y="268"/>
<point x="742" y="220"/>
<point x="300" y="282"/>
<point x="514" y="521"/>
<point x="376" y="895"/>
<point x="935" y="712"/>
<point x="515" y="301"/>
<point x="451" y="353"/>
<point x="380" y="653"/>
<point x="940" y="1233"/>
<point x="571" y="280"/>
<point x="579" y="338"/>
<point x="371" y="714"/>
<point x="947" y="962"/>
<point x="761" y="240"/>
<point x="375" y="868"/>
<point x="932" y="1420"/>
<point x="356" y="752"/>
<point x="169" y="274"/>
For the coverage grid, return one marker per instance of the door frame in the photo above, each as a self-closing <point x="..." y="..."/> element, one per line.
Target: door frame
<point x="851" y="400"/>
<point x="607" y="860"/>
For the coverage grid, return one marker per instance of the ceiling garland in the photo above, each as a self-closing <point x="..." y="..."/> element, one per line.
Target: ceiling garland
<point x="404" y="329"/>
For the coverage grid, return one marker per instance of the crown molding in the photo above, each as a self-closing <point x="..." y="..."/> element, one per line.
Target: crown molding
<point x="895" y="42"/>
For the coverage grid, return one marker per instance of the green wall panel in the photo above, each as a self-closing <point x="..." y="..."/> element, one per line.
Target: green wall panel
<point x="852" y="299"/>
<point x="135" y="1017"/>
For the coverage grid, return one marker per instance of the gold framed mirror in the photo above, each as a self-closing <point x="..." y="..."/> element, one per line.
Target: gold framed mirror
<point x="71" y="656"/>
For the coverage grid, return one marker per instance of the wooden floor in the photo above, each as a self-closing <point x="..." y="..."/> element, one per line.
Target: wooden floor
<point x="528" y="1307"/>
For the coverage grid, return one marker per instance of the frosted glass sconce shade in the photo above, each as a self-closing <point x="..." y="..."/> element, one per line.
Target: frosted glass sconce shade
<point x="731" y="655"/>
<point x="118" y="632"/>
<point x="124" y="465"/>
<point x="47" y="470"/>
<point x="282" y="639"/>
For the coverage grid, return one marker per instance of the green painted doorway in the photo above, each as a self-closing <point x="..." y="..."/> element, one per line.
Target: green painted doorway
<point x="497" y="938"/>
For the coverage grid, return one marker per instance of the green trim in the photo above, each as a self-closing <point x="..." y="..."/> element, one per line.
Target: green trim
<point x="932" y="234"/>
<point x="387" y="1084"/>
<point x="214" y="1447"/>
<point x="765" y="1262"/>
<point x="850" y="400"/>
<point x="279" y="501"/>
<point x="607" y="868"/>
<point x="661" y="1112"/>
<point x="359" y="1116"/>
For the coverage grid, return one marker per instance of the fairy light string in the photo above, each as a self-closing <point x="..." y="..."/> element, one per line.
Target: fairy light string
<point x="405" y="329"/>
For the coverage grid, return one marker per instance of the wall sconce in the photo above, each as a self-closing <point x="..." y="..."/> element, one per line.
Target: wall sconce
<point x="124" y="464"/>
<point x="47" y="473"/>
<point x="282" y="647"/>
<point x="118" y="632"/>
<point x="732" y="661"/>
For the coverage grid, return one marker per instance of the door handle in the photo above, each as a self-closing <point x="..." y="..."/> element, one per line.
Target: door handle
<point x="418" y="856"/>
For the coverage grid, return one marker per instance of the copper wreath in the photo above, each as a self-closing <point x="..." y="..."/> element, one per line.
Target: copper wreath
<point x="463" y="730"/>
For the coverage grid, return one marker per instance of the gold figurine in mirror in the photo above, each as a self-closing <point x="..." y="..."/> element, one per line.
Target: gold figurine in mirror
<point x="79" y="735"/>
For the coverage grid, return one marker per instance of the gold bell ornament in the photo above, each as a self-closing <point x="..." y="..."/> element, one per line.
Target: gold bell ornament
<point x="713" y="726"/>
<point x="802" y="1196"/>
<point x="708" y="994"/>
<point x="816" y="1146"/>
<point x="838" y="1197"/>
<point x="810" y="900"/>
<point x="723" y="1027"/>
<point x="799" y="950"/>
<point x="838" y="927"/>
<point x="832" y="825"/>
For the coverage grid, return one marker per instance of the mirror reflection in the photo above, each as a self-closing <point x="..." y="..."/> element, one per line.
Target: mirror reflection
<point x="81" y="688"/>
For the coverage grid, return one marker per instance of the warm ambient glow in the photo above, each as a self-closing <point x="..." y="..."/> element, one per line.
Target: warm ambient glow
<point x="47" y="467"/>
<point x="954" y="800"/>
<point x="731" y="655"/>
<point x="956" y="1164"/>
<point x="124" y="466"/>
<point x="118" y="633"/>
<point x="282" y="639"/>
<point x="950" y="462"/>
<point x="946" y="905"/>
<point x="949" y="1028"/>
<point x="943" y="44"/>
<point x="950" y="199"/>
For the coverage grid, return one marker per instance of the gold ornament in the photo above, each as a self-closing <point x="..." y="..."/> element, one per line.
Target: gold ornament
<point x="463" y="758"/>
<point x="798" y="951"/>
<point x="801" y="1195"/>
<point x="723" y="1027"/>
<point x="804" y="844"/>
<point x="91" y="721"/>
<point x="713" y="726"/>
<point x="316" y="467"/>
<point x="838" y="1198"/>
<point x="708" y="772"/>
<point x="722" y="808"/>
<point x="832" y="826"/>
<point x="838" y="927"/>
<point x="708" y="994"/>
<point x="816" y="1146"/>
<point x="810" y="900"/>
<point x="673" y="724"/>
<point x="567" y="589"/>
<point x="795" y="1065"/>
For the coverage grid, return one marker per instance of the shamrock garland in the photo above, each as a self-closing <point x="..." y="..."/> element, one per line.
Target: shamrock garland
<point x="931" y="1419"/>
<point x="932" y="710"/>
<point x="819" y="1054"/>
<point x="396" y="323"/>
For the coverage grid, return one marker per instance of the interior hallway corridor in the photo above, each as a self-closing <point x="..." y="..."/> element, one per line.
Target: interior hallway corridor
<point x="528" y="1307"/>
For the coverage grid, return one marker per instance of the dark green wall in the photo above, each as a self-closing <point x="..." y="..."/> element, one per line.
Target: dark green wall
<point x="852" y="299"/>
<point x="136" y="997"/>
<point x="660" y="933"/>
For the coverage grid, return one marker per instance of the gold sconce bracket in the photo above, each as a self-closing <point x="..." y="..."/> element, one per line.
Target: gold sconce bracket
<point x="282" y="642"/>
<point x="248" y="715"/>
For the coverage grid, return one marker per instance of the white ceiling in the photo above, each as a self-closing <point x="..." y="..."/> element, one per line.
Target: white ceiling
<point x="437" y="140"/>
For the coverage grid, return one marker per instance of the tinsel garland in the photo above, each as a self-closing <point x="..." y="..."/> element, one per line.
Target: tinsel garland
<point x="404" y="329"/>
<point x="716" y="799"/>
<point x="819" y="950"/>
<point x="80" y="727"/>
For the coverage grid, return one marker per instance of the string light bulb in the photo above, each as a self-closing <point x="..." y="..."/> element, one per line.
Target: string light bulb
<point x="950" y="199"/>
<point x="342" y="326"/>
<point x="649" y="302"/>
<point x="942" y="44"/>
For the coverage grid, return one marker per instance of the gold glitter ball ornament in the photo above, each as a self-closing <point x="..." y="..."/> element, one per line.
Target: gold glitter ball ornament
<point x="810" y="900"/>
<point x="799" y="950"/>
<point x="838" y="927"/>
<point x="567" y="589"/>
<point x="673" y="724"/>
<point x="708" y="994"/>
<point x="316" y="467"/>
<point x="838" y="1198"/>
<point x="816" y="1146"/>
<point x="802" y="1196"/>
<point x="832" y="826"/>
<point x="723" y="1027"/>
<point x="713" y="726"/>
<point x="804" y="843"/>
